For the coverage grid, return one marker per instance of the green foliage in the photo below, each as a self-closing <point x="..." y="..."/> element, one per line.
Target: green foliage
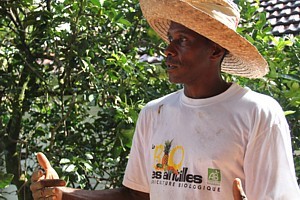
<point x="5" y="179"/>
<point x="72" y="84"/>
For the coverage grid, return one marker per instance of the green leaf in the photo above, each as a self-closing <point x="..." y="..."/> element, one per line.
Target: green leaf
<point x="69" y="168"/>
<point x="91" y="98"/>
<point x="249" y="38"/>
<point x="89" y="156"/>
<point x="64" y="161"/>
<point x="125" y="22"/>
<point x="5" y="180"/>
<point x="88" y="166"/>
<point x="291" y="77"/>
<point x="289" y="112"/>
<point x="97" y="3"/>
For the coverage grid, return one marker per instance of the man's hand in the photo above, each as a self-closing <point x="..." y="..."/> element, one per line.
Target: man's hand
<point x="237" y="189"/>
<point x="39" y="188"/>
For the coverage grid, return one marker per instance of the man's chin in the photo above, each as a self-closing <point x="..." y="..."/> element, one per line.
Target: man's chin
<point x="174" y="80"/>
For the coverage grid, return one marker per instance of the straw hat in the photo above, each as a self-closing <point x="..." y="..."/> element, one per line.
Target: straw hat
<point x="215" y="19"/>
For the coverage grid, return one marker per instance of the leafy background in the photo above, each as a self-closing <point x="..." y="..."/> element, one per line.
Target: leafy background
<point x="72" y="83"/>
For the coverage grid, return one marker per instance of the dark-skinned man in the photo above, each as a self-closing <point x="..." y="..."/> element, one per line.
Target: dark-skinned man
<point x="194" y="143"/>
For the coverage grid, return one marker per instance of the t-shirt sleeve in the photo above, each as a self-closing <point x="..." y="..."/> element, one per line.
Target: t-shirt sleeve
<point x="136" y="176"/>
<point x="268" y="164"/>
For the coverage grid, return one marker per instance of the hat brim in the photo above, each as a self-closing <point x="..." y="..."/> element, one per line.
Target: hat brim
<point x="243" y="58"/>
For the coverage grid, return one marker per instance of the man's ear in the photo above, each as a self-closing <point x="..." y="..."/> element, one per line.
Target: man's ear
<point x="217" y="52"/>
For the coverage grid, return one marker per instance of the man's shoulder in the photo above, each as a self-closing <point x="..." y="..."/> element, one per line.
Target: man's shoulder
<point x="259" y="101"/>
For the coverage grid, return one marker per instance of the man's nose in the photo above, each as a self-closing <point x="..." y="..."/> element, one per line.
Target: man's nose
<point x="170" y="51"/>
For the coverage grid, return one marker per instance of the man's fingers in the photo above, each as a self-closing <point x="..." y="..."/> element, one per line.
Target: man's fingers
<point x="43" y="161"/>
<point x="35" y="186"/>
<point x="49" y="192"/>
<point x="237" y="190"/>
<point x="40" y="191"/>
<point x="37" y="175"/>
<point x="48" y="198"/>
<point x="45" y="164"/>
<point x="45" y="193"/>
<point x="51" y="174"/>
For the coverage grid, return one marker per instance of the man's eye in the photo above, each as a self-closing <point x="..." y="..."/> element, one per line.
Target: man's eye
<point x="178" y="40"/>
<point x="183" y="39"/>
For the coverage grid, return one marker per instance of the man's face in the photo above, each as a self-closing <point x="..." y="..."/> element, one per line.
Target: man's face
<point x="187" y="55"/>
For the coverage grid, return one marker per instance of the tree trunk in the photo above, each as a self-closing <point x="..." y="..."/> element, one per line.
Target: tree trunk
<point x="12" y="141"/>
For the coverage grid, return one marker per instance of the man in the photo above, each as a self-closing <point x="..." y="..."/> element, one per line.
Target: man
<point x="193" y="143"/>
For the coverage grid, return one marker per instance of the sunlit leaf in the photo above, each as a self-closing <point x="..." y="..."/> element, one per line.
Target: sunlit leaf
<point x="5" y="180"/>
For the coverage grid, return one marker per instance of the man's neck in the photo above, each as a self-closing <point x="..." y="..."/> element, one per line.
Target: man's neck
<point x="206" y="90"/>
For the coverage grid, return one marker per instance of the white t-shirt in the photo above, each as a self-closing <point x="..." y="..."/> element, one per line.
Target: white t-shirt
<point x="239" y="133"/>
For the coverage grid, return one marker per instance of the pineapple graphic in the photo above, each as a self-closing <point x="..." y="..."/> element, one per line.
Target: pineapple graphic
<point x="164" y="165"/>
<point x="167" y="148"/>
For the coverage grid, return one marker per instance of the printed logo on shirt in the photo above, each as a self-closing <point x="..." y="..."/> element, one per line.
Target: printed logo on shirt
<point x="168" y="158"/>
<point x="168" y="170"/>
<point x="214" y="176"/>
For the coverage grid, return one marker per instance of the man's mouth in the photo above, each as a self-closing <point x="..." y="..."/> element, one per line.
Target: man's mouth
<point x="169" y="67"/>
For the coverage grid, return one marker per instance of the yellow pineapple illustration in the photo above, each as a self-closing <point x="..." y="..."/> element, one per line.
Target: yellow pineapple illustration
<point x="167" y="148"/>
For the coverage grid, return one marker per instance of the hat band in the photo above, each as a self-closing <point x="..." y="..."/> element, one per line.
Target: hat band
<point x="224" y="14"/>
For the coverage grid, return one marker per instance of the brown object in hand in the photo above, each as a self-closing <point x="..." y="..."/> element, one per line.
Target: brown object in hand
<point x="53" y="182"/>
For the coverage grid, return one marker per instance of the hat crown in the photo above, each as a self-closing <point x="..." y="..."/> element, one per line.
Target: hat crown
<point x="225" y="11"/>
